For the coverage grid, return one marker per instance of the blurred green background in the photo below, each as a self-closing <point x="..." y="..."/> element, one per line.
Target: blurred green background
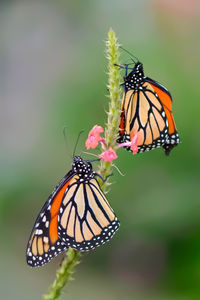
<point x="52" y="74"/>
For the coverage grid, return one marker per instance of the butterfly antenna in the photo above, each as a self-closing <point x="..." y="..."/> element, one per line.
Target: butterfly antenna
<point x="93" y="160"/>
<point x="133" y="56"/>
<point x="64" y="133"/>
<point x="65" y="138"/>
<point x="77" y="140"/>
<point x="89" y="153"/>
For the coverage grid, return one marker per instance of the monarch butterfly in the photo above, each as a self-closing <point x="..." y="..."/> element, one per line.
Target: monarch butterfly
<point x="76" y="215"/>
<point x="147" y="109"/>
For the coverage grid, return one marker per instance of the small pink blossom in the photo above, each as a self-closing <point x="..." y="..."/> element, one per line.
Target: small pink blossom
<point x="132" y="144"/>
<point x="94" y="137"/>
<point x="108" y="155"/>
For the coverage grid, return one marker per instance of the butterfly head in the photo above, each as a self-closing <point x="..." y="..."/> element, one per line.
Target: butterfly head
<point x="135" y="78"/>
<point x="82" y="168"/>
<point x="139" y="68"/>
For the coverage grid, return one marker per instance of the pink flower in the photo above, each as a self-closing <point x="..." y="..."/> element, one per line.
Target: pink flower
<point x="94" y="137"/>
<point x="108" y="155"/>
<point x="132" y="144"/>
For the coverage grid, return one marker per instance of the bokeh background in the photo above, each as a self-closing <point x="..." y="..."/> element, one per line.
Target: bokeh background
<point x="52" y="74"/>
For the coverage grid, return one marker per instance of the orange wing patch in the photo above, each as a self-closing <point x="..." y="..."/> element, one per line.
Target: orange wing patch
<point x="164" y="97"/>
<point x="53" y="231"/>
<point x="167" y="105"/>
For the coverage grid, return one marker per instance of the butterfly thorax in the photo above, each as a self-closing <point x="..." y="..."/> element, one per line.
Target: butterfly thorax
<point x="82" y="169"/>
<point x="135" y="78"/>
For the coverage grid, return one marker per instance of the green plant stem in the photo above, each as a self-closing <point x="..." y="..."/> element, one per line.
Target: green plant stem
<point x="63" y="274"/>
<point x="72" y="258"/>
<point x="112" y="125"/>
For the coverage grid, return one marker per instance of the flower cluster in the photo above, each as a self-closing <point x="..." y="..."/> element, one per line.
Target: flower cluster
<point x="109" y="154"/>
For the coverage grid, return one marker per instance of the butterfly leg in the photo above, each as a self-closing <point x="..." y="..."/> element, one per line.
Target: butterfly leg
<point x="104" y="180"/>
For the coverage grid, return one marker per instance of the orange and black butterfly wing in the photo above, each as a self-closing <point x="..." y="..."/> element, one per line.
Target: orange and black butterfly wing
<point x="147" y="109"/>
<point x="144" y="114"/>
<point x="148" y="112"/>
<point x="44" y="243"/>
<point x="85" y="219"/>
<point x="165" y="98"/>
